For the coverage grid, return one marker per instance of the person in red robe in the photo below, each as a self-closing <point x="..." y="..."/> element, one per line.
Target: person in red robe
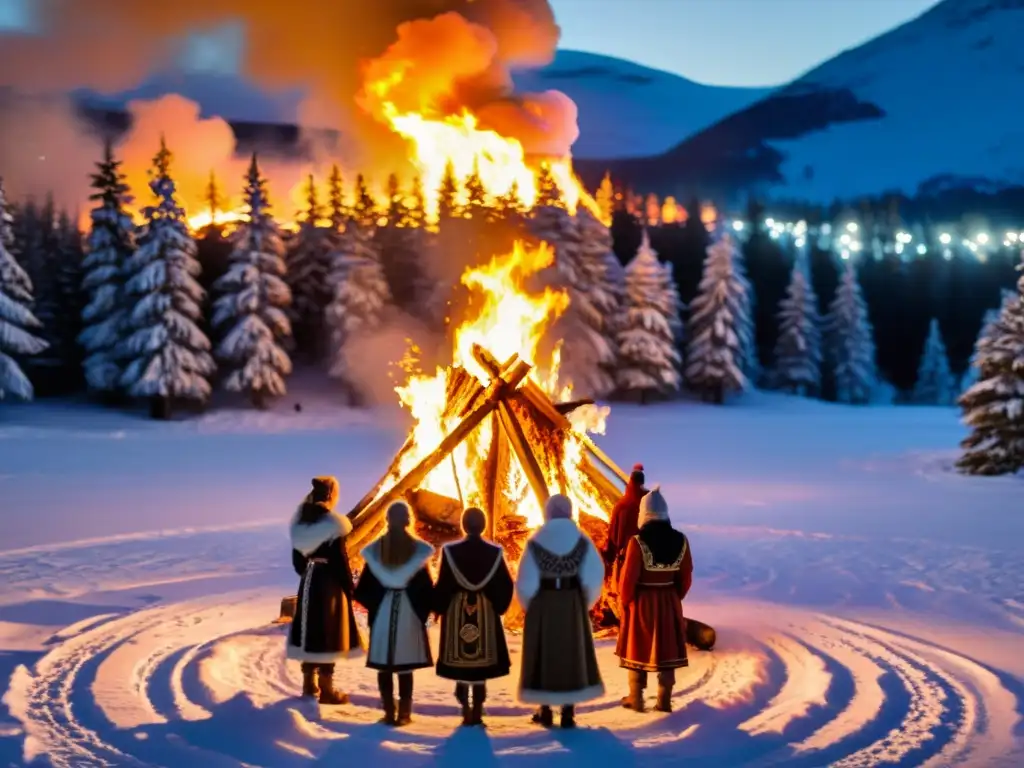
<point x="655" y="578"/>
<point x="622" y="526"/>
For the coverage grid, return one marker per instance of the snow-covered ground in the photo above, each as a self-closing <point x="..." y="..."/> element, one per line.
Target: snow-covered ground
<point x="869" y="602"/>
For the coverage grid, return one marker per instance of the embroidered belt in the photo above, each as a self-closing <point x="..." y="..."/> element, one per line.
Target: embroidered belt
<point x="561" y="583"/>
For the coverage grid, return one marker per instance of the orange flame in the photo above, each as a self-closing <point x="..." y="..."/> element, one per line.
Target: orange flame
<point x="508" y="321"/>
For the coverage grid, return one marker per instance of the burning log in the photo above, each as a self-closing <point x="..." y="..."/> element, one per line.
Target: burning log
<point x="371" y="519"/>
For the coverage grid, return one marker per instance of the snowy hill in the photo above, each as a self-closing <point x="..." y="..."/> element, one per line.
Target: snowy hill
<point x="930" y="103"/>
<point x="627" y="110"/>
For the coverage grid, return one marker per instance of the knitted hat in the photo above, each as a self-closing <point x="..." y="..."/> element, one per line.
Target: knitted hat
<point x="399" y="515"/>
<point x="325" y="491"/>
<point x="558" y="507"/>
<point x="636" y="477"/>
<point x="474" y="521"/>
<point x="653" y="507"/>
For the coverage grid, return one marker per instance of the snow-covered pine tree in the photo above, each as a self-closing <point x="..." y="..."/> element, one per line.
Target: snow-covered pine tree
<point x="850" y="342"/>
<point x="935" y="383"/>
<point x="647" y="332"/>
<point x="605" y="199"/>
<point x="17" y="322"/>
<point x="745" y="327"/>
<point x="476" y="195"/>
<point x="448" y="195"/>
<point x="417" y="205"/>
<point x="337" y="211"/>
<point x="38" y="246"/>
<point x="994" y="406"/>
<point x="250" y="312"/>
<point x="601" y="298"/>
<point x="360" y="298"/>
<point x="69" y="276"/>
<point x="307" y="259"/>
<point x="109" y="245"/>
<point x="168" y="355"/>
<point x="988" y="322"/>
<point x="716" y="346"/>
<point x="364" y="207"/>
<point x="15" y="283"/>
<point x="397" y="213"/>
<point x="798" y="349"/>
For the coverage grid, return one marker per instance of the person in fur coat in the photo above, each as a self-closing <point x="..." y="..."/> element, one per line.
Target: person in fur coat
<point x="324" y="629"/>
<point x="396" y="589"/>
<point x="560" y="578"/>
<point x="655" y="578"/>
<point x="474" y="589"/>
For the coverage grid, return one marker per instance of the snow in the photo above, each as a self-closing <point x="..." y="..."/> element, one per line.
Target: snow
<point x="955" y="66"/>
<point x="628" y="110"/>
<point x="869" y="600"/>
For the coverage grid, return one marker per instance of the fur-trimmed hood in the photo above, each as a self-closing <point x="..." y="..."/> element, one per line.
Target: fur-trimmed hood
<point x="396" y="578"/>
<point x="308" y="537"/>
<point x="558" y="537"/>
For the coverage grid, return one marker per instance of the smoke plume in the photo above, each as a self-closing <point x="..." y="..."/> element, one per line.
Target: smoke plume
<point x="457" y="53"/>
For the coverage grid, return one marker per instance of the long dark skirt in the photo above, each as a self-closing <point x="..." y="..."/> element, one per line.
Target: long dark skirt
<point x="324" y="629"/>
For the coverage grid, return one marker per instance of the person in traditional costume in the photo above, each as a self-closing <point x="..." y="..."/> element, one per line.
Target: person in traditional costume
<point x="560" y="578"/>
<point x="396" y="589"/>
<point x="324" y="629"/>
<point x="622" y="523"/>
<point x="656" y="577"/>
<point x="474" y="590"/>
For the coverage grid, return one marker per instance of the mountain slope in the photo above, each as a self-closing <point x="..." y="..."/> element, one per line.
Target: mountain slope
<point x="627" y="110"/>
<point x="930" y="104"/>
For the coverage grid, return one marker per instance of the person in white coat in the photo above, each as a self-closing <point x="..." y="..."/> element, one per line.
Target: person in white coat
<point x="560" y="578"/>
<point x="396" y="589"/>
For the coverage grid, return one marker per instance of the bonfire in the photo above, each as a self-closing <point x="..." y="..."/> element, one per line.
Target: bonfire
<point x="488" y="431"/>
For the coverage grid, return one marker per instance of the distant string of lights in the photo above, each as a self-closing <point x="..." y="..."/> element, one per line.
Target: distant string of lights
<point x="850" y="240"/>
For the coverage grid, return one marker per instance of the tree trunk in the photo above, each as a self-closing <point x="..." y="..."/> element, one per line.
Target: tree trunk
<point x="160" y="408"/>
<point x="259" y="400"/>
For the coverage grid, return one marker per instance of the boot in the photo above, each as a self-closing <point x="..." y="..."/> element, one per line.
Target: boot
<point x="476" y="715"/>
<point x="309" y="686"/>
<point x="386" y="686"/>
<point x="328" y="694"/>
<point x="664" y="699"/>
<point x="404" y="712"/>
<point x="462" y="696"/>
<point x="543" y="717"/>
<point x="635" y="699"/>
<point x="404" y="699"/>
<point x="568" y="717"/>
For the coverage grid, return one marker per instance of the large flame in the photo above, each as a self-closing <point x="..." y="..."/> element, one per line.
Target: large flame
<point x="506" y="320"/>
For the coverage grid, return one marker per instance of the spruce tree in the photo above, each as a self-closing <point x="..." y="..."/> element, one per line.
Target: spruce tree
<point x="716" y="345"/>
<point x="250" y="311"/>
<point x="798" y="349"/>
<point x="648" y="355"/>
<point x="935" y="384"/>
<point x="109" y="245"/>
<point x="39" y="250"/>
<point x="548" y="193"/>
<point x="337" y="211"/>
<point x="417" y="205"/>
<point x="994" y="405"/>
<point x="307" y="260"/>
<point x="448" y="195"/>
<point x="168" y="355"/>
<point x="359" y="301"/>
<point x="364" y="207"/>
<point x="397" y="214"/>
<point x="69" y="276"/>
<point x="17" y="323"/>
<point x="751" y="362"/>
<point x="850" y="341"/>
<point x="600" y="295"/>
<point x="988" y="322"/>
<point x="509" y="206"/>
<point x="476" y="195"/>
